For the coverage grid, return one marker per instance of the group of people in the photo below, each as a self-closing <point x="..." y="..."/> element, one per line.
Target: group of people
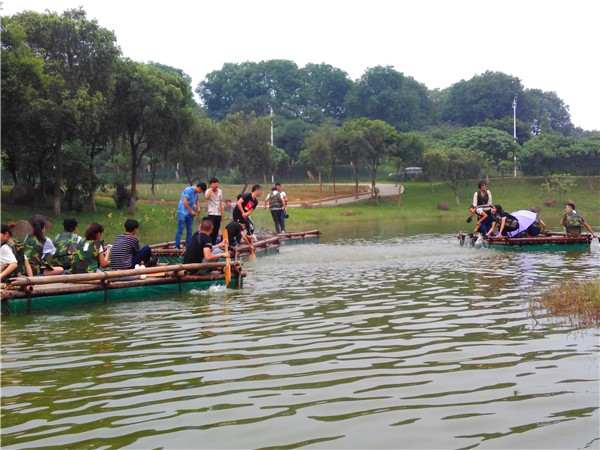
<point x="69" y="252"/>
<point x="205" y="245"/>
<point x="491" y="216"/>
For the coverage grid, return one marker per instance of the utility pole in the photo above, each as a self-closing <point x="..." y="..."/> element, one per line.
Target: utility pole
<point x="514" y="105"/>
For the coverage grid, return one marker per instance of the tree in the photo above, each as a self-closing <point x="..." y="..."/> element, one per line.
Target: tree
<point x="548" y="113"/>
<point x="78" y="59"/>
<point x="384" y="94"/>
<point x="453" y="165"/>
<point x="488" y="96"/>
<point x="248" y="139"/>
<point x="368" y="143"/>
<point x="408" y="149"/>
<point x="495" y="145"/>
<point x="318" y="152"/>
<point x="290" y="136"/>
<point x="149" y="104"/>
<point x="545" y="154"/>
<point x="323" y="91"/>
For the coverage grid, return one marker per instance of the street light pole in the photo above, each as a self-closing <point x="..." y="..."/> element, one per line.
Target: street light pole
<point x="514" y="105"/>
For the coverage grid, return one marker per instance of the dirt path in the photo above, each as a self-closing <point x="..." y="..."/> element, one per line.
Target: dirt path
<point x="385" y="190"/>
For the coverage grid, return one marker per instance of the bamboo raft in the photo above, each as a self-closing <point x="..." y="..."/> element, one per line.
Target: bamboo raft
<point x="263" y="246"/>
<point x="547" y="241"/>
<point x="25" y="295"/>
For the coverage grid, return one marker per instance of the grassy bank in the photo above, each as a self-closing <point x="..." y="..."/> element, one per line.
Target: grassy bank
<point x="419" y="202"/>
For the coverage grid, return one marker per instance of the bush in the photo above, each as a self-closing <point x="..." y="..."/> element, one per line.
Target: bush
<point x="122" y="195"/>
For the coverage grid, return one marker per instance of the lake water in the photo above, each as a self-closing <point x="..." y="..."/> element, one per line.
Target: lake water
<point x="395" y="341"/>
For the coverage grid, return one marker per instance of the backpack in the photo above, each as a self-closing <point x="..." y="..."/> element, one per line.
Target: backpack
<point x="66" y="244"/>
<point x="574" y="220"/>
<point x="275" y="200"/>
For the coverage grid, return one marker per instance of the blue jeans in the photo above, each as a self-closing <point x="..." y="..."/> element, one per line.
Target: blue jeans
<point x="186" y="221"/>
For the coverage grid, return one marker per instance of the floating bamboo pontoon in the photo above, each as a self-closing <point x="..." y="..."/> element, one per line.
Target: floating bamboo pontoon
<point x="45" y="293"/>
<point x="547" y="241"/>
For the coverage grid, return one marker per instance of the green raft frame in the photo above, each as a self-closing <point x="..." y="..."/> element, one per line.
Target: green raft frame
<point x="45" y="294"/>
<point x="546" y="242"/>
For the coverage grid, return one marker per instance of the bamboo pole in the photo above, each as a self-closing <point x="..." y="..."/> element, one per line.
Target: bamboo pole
<point x="74" y="278"/>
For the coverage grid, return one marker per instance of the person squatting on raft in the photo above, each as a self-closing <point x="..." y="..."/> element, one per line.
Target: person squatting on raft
<point x="573" y="222"/>
<point x="506" y="221"/>
<point x="188" y="208"/>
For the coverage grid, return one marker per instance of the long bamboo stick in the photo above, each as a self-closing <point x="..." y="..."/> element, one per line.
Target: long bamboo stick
<point x="74" y="278"/>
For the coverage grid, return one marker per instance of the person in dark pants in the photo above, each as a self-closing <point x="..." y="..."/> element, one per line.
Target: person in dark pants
<point x="126" y="251"/>
<point x="277" y="201"/>
<point x="245" y="204"/>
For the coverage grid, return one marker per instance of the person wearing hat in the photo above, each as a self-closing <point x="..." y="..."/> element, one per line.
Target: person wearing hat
<point x="573" y="222"/>
<point x="214" y="199"/>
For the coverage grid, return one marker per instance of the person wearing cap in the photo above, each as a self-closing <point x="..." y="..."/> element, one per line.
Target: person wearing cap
<point x="214" y="199"/>
<point x="188" y="208"/>
<point x="573" y="222"/>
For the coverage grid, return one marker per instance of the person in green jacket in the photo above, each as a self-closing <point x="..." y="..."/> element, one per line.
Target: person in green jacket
<point x="90" y="255"/>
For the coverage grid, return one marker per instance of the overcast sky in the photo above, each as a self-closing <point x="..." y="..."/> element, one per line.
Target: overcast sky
<point x="549" y="44"/>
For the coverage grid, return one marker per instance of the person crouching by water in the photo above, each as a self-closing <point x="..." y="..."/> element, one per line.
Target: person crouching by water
<point x="484" y="220"/>
<point x="573" y="222"/>
<point x="90" y="255"/>
<point x="506" y="221"/>
<point x="39" y="250"/>
<point x="126" y="251"/>
<point x="201" y="248"/>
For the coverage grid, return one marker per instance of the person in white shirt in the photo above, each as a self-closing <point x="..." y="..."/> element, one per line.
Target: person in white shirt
<point x="214" y="199"/>
<point x="277" y="201"/>
<point x="8" y="259"/>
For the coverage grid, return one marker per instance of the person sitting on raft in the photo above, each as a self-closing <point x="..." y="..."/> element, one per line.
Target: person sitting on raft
<point x="13" y="262"/>
<point x="39" y="250"/>
<point x="506" y="221"/>
<point x="201" y="249"/>
<point x="537" y="226"/>
<point x="573" y="222"/>
<point x="90" y="255"/>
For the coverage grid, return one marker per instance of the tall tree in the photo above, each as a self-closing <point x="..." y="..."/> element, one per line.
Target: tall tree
<point x="545" y="154"/>
<point x="149" y="103"/>
<point x="452" y="165"/>
<point x="408" y="149"/>
<point x="78" y="60"/>
<point x="383" y="93"/>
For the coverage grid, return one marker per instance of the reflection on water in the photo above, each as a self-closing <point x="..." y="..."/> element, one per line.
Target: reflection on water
<point x="396" y="342"/>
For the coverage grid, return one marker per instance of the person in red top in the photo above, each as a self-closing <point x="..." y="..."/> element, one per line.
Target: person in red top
<point x="246" y="203"/>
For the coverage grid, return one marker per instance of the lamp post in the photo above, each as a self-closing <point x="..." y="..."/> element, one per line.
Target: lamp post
<point x="514" y="105"/>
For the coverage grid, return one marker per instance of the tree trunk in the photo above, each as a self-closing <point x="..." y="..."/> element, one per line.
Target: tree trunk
<point x="333" y="177"/>
<point x="455" y="190"/>
<point x="152" y="181"/>
<point x="58" y="180"/>
<point x="355" y="181"/>
<point x="92" y="197"/>
<point x="134" y="164"/>
<point x="320" y="187"/>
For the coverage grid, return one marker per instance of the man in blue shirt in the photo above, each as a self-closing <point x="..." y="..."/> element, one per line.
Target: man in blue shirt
<point x="186" y="211"/>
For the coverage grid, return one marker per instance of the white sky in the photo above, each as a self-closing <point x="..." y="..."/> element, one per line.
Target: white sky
<point x="549" y="44"/>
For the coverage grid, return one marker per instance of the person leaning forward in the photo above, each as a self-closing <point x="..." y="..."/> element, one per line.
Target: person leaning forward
<point x="188" y="208"/>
